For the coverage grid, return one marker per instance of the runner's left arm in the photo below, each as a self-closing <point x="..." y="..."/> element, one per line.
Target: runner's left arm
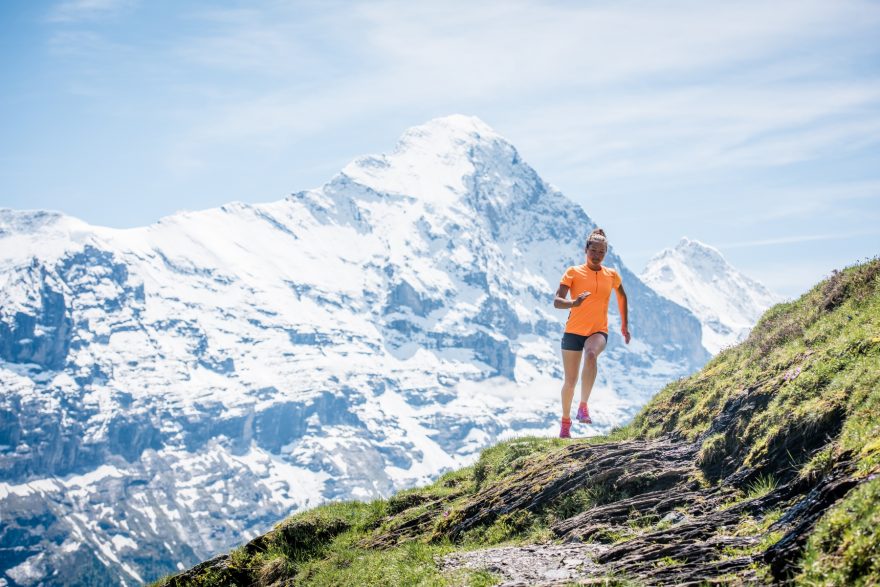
<point x="624" y="312"/>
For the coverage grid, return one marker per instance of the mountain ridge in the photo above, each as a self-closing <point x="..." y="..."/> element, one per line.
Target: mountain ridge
<point x="177" y="387"/>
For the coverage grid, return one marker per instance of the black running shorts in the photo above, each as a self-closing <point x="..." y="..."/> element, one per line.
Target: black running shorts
<point x="576" y="342"/>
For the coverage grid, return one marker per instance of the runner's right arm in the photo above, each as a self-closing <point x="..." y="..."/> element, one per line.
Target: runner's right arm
<point x="562" y="303"/>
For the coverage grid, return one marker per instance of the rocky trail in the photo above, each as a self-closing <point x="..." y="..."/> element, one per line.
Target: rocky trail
<point x="537" y="564"/>
<point x="668" y="531"/>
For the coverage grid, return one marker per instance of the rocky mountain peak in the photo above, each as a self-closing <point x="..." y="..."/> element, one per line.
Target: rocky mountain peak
<point x="26" y="220"/>
<point x="701" y="255"/>
<point x="453" y="130"/>
<point x="26" y="235"/>
<point x="697" y="276"/>
<point x="437" y="162"/>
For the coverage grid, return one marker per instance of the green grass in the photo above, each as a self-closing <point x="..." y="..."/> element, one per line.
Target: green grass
<point x="509" y="457"/>
<point x="845" y="546"/>
<point x="410" y="564"/>
<point x="506" y="458"/>
<point x="810" y="368"/>
<point x="761" y="486"/>
<point x="668" y="561"/>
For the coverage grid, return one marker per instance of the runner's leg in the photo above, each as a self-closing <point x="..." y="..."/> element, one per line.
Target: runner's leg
<point x="594" y="347"/>
<point x="571" y="362"/>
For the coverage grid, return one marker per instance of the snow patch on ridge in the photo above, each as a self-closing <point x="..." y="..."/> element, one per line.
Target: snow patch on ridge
<point x="697" y="276"/>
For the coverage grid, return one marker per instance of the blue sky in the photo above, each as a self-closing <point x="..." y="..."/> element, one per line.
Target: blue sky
<point x="753" y="126"/>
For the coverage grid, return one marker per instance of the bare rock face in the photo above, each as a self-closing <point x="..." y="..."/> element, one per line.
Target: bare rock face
<point x="650" y="484"/>
<point x="41" y="336"/>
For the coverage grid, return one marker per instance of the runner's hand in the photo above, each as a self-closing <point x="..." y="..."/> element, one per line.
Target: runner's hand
<point x="625" y="332"/>
<point x="579" y="300"/>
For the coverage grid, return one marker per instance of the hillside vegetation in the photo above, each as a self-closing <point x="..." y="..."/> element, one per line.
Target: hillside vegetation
<point x="764" y="467"/>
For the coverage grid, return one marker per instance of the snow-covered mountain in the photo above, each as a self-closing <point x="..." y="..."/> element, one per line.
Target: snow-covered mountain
<point x="699" y="278"/>
<point x="172" y="390"/>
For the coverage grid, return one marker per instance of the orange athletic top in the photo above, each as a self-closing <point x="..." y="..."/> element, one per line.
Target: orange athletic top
<point x="592" y="315"/>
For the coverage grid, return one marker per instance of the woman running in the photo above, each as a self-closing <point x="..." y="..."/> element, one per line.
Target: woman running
<point x="586" y="331"/>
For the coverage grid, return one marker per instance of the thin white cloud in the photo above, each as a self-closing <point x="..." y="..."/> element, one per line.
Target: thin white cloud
<point x="75" y="43"/>
<point x="72" y="11"/>
<point x="633" y="88"/>
<point x="788" y="240"/>
<point x="671" y="131"/>
<point x="847" y="201"/>
<point x="516" y="45"/>
<point x="627" y="90"/>
<point x="283" y="41"/>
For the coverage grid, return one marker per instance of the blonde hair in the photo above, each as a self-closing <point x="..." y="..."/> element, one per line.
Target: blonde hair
<point x="597" y="236"/>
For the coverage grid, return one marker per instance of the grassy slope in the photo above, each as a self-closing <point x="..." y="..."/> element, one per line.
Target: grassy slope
<point x="810" y="374"/>
<point x="816" y="364"/>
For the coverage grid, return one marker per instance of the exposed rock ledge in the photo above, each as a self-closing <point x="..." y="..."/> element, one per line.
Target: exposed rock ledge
<point x="700" y="535"/>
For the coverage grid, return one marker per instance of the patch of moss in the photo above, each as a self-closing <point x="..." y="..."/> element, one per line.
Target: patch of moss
<point x="668" y="561"/>
<point x="570" y="504"/>
<point x="414" y="563"/>
<point x="506" y="527"/>
<point x="844" y="549"/>
<point x="508" y="457"/>
<point x="712" y="451"/>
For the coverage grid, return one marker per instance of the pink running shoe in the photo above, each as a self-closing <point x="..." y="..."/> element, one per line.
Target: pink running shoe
<point x="565" y="429"/>
<point x="584" y="414"/>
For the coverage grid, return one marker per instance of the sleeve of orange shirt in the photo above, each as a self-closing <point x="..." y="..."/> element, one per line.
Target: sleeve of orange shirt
<point x="616" y="281"/>
<point x="567" y="277"/>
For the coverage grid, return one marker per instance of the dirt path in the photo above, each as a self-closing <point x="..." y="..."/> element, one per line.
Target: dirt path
<point x="553" y="564"/>
<point x="653" y="521"/>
